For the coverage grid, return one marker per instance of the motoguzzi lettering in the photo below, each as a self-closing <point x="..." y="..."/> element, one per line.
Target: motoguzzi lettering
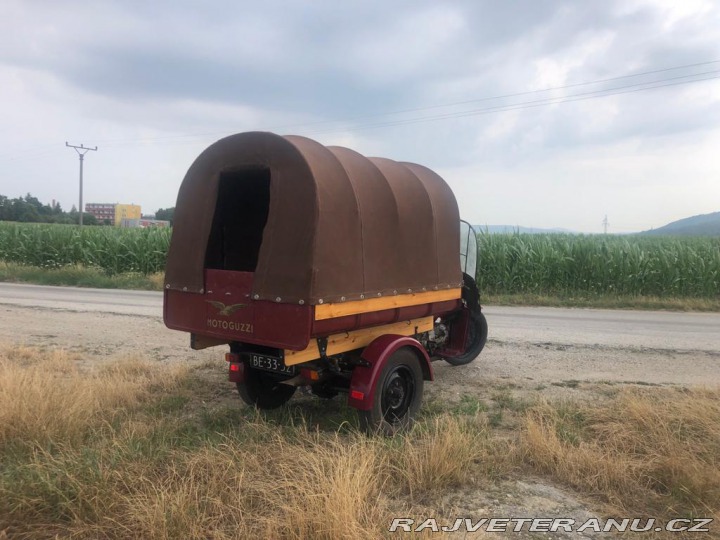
<point x="230" y="325"/>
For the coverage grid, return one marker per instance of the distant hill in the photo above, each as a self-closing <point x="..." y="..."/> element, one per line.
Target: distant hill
<point x="510" y="229"/>
<point x="702" y="225"/>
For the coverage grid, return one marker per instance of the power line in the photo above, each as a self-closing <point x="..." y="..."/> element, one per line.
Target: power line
<point x="438" y="106"/>
<point x="529" y="104"/>
<point x="190" y="138"/>
<point x="529" y="92"/>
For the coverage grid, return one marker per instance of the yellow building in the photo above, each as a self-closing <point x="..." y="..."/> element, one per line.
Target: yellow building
<point x="126" y="211"/>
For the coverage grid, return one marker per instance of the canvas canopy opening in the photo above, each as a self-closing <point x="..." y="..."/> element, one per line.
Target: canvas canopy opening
<point x="315" y="224"/>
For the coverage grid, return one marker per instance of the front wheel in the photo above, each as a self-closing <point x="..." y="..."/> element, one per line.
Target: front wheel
<point x="397" y="396"/>
<point x="263" y="391"/>
<point x="476" y="339"/>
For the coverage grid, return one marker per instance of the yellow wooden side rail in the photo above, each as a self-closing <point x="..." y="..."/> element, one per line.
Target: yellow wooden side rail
<point x="342" y="309"/>
<point x="348" y="341"/>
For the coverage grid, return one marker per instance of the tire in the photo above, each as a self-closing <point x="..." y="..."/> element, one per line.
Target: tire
<point x="476" y="339"/>
<point x="398" y="395"/>
<point x="262" y="391"/>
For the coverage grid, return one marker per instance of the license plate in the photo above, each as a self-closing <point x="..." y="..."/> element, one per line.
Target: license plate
<point x="270" y="363"/>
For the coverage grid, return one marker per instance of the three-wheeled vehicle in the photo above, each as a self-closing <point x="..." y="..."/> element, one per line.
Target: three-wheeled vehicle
<point x="320" y="267"/>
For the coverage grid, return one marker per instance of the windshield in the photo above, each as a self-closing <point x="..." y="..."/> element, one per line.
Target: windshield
<point x="468" y="249"/>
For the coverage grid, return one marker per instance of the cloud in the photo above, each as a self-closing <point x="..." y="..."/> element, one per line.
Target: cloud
<point x="154" y="82"/>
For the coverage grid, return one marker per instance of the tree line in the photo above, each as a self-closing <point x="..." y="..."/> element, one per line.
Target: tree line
<point x="29" y="209"/>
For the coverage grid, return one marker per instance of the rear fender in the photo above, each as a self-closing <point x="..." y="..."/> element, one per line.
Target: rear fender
<point x="365" y="378"/>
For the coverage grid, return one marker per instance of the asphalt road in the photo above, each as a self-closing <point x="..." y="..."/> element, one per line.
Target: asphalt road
<point x="145" y="303"/>
<point x="611" y="328"/>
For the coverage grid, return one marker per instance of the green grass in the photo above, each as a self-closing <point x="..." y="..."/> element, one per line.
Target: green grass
<point x="600" y="301"/>
<point x="79" y="276"/>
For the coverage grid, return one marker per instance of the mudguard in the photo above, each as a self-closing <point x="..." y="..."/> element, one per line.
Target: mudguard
<point x="364" y="378"/>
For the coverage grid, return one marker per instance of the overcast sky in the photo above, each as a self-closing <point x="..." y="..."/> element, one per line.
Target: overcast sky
<point x="458" y="86"/>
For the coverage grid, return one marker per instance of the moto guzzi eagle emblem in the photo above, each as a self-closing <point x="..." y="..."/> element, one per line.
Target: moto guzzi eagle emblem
<point x="225" y="310"/>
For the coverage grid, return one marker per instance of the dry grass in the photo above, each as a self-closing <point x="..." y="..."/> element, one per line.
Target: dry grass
<point x="113" y="453"/>
<point x="86" y="454"/>
<point x="306" y="485"/>
<point x="313" y="486"/>
<point x="45" y="397"/>
<point x="156" y="280"/>
<point x="647" y="451"/>
<point x="446" y="452"/>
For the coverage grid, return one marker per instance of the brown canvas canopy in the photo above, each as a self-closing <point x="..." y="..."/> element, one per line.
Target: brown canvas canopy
<point x="337" y="225"/>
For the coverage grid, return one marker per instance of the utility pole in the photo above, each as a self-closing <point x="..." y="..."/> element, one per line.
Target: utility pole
<point x="605" y="224"/>
<point x="81" y="151"/>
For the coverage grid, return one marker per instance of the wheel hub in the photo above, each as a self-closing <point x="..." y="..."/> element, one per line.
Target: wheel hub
<point x="397" y="394"/>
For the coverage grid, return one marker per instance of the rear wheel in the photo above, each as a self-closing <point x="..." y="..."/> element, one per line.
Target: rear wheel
<point x="263" y="391"/>
<point x="397" y="396"/>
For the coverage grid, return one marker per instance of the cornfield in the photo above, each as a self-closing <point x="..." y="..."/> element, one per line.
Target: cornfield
<point x="111" y="249"/>
<point x="599" y="265"/>
<point x="509" y="264"/>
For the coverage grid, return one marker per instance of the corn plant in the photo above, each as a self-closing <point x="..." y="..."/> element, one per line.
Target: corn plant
<point x="114" y="250"/>
<point x="509" y="263"/>
<point x="625" y="265"/>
